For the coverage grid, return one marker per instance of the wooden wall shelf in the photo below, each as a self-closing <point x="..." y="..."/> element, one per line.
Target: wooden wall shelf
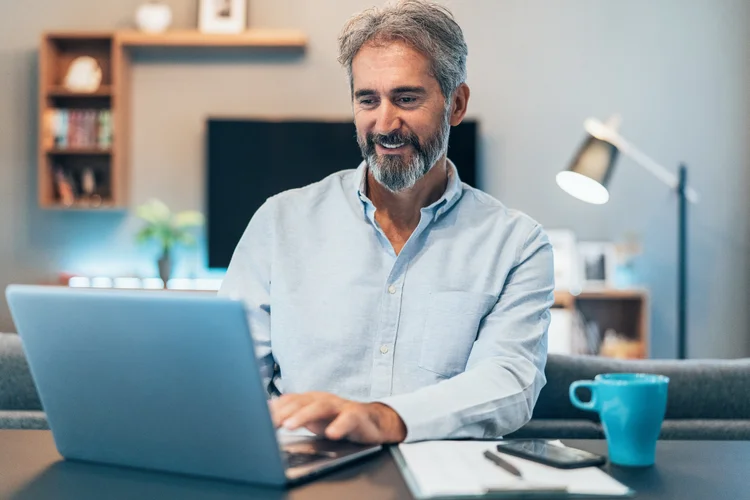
<point x="108" y="158"/>
<point x="250" y="38"/>
<point x="60" y="91"/>
<point x="79" y="151"/>
<point x="625" y="311"/>
<point x="85" y="207"/>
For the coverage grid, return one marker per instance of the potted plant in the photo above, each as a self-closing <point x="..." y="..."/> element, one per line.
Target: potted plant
<point x="168" y="230"/>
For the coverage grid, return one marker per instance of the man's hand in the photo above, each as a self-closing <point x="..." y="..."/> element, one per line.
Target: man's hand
<point x="338" y="418"/>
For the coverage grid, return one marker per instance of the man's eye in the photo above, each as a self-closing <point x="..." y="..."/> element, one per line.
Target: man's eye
<point x="366" y="102"/>
<point x="407" y="100"/>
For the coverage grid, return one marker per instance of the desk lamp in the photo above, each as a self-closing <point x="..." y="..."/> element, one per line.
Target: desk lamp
<point x="590" y="172"/>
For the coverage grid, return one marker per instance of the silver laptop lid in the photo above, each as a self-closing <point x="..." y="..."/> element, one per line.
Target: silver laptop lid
<point x="160" y="380"/>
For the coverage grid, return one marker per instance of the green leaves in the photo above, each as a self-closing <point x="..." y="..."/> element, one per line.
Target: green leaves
<point x="188" y="218"/>
<point x="154" y="212"/>
<point x="166" y="228"/>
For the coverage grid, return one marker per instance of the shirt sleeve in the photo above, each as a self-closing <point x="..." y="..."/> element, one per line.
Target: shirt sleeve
<point x="248" y="278"/>
<point x="505" y="371"/>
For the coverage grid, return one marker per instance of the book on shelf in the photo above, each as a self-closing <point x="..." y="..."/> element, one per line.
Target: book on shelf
<point x="77" y="128"/>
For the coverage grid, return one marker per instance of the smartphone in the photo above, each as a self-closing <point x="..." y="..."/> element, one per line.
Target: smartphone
<point x="539" y="450"/>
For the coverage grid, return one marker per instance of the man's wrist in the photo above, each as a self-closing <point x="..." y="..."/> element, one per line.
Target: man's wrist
<point x="390" y="423"/>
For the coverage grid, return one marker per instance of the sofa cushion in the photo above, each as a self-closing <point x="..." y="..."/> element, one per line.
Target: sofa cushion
<point x="698" y="389"/>
<point x="559" y="429"/>
<point x="17" y="390"/>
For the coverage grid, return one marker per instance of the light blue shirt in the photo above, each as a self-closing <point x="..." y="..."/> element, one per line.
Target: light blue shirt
<point x="451" y="332"/>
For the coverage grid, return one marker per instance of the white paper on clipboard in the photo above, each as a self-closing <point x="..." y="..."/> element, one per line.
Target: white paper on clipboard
<point x="437" y="469"/>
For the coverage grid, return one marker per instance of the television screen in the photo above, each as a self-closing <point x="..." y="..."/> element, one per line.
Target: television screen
<point x="249" y="161"/>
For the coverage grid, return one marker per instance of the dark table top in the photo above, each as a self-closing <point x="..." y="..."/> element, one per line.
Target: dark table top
<point x="31" y="468"/>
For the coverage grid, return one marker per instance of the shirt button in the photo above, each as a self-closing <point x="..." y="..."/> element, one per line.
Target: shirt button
<point x="391" y="289"/>
<point x="384" y="349"/>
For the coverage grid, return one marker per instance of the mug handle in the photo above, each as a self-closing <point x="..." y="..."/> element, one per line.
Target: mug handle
<point x="589" y="384"/>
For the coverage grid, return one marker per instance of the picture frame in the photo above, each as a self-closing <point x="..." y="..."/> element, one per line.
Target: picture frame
<point x="597" y="264"/>
<point x="565" y="259"/>
<point x="222" y="16"/>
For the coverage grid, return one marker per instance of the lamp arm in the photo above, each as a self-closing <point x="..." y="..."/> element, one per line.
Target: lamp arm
<point x="610" y="135"/>
<point x="657" y="170"/>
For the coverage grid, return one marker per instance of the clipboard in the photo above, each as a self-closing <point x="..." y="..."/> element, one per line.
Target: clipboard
<point x="458" y="470"/>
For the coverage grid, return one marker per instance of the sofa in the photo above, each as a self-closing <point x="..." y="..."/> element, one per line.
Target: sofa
<point x="707" y="398"/>
<point x="20" y="407"/>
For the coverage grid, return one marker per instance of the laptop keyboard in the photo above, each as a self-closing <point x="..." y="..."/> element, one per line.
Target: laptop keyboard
<point x="297" y="459"/>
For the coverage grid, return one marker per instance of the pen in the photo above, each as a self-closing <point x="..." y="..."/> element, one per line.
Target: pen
<point x="502" y="463"/>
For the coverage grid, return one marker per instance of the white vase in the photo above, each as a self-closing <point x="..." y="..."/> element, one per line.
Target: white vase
<point x="153" y="17"/>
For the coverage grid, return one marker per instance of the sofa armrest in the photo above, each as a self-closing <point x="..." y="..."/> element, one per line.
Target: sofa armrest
<point x="17" y="390"/>
<point x="23" y="420"/>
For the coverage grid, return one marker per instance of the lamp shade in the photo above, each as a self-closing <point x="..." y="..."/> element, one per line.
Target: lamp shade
<point x="588" y="175"/>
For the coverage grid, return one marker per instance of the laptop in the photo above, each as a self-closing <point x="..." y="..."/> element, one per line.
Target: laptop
<point x="160" y="380"/>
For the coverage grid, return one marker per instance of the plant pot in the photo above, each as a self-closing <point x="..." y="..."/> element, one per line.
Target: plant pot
<point x="165" y="268"/>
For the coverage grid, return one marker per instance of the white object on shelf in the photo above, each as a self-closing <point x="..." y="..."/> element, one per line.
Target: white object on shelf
<point x="560" y="333"/>
<point x="101" y="282"/>
<point x="83" y="75"/>
<point x="222" y="16"/>
<point x="565" y="255"/>
<point x="597" y="264"/>
<point x="153" y="17"/>
<point x="79" y="282"/>
<point x="195" y="284"/>
<point x="152" y="284"/>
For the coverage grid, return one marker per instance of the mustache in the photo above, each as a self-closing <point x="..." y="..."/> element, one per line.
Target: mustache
<point x="394" y="137"/>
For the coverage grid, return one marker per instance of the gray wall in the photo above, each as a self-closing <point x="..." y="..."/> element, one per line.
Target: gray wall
<point x="678" y="71"/>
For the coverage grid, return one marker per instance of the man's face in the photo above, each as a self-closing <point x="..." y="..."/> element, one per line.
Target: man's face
<point x="400" y="113"/>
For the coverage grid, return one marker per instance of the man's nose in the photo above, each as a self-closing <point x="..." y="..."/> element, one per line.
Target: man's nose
<point x="389" y="119"/>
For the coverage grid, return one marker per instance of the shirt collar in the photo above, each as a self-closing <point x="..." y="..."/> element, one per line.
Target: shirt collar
<point x="452" y="193"/>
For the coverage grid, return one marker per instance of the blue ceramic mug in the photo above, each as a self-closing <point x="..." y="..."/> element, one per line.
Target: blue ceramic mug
<point x="631" y="407"/>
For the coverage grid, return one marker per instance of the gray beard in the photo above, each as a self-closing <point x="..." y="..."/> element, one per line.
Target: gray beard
<point x="395" y="174"/>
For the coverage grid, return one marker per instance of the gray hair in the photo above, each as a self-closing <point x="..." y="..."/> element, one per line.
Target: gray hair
<point x="427" y="27"/>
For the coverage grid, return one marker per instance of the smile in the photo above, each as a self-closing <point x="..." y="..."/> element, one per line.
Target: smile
<point x="392" y="146"/>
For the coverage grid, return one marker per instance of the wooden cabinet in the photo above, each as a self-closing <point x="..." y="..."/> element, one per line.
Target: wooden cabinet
<point x="625" y="312"/>
<point x="71" y="147"/>
<point x="84" y="137"/>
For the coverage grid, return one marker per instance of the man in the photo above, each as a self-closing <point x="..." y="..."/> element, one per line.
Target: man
<point x="393" y="302"/>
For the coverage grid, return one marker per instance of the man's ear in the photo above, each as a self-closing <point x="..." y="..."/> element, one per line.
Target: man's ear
<point x="459" y="104"/>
